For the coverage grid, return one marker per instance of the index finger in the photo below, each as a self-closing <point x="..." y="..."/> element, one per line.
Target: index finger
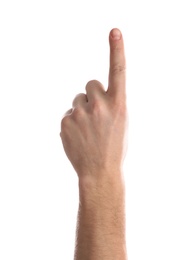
<point x="117" y="72"/>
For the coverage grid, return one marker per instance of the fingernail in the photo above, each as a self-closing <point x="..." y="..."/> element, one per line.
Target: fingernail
<point x="115" y="34"/>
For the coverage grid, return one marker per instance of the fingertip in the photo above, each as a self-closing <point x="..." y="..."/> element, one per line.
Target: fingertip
<point x="115" y="34"/>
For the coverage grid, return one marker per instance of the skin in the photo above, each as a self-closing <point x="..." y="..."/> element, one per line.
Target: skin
<point x="94" y="137"/>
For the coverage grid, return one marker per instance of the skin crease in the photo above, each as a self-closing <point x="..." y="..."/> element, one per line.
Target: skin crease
<point x="94" y="136"/>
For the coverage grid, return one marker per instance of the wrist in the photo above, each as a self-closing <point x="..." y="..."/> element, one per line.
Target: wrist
<point x="101" y="179"/>
<point x="108" y="187"/>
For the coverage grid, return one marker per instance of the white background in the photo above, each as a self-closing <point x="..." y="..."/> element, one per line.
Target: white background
<point x="49" y="50"/>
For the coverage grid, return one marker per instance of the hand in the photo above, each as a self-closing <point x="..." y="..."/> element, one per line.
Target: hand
<point x="94" y="131"/>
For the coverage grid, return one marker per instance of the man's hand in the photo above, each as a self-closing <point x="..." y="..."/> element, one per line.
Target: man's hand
<point x="94" y="135"/>
<point x="94" y="131"/>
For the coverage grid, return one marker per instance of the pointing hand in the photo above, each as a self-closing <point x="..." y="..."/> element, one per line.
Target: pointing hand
<point x="94" y="130"/>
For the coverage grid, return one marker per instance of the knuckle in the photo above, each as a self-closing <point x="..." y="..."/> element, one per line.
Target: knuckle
<point x="68" y="112"/>
<point x="123" y="110"/>
<point x="92" y="83"/>
<point x="120" y="107"/>
<point x="117" y="48"/>
<point x="78" y="113"/>
<point x="118" y="69"/>
<point x="119" y="100"/>
<point x="65" y="123"/>
<point x="75" y="100"/>
<point x="77" y="96"/>
<point x="65" y="120"/>
<point x="89" y="83"/>
<point x="97" y="107"/>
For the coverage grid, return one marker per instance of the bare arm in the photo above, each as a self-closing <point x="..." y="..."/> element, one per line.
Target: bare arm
<point x="101" y="221"/>
<point x="94" y="136"/>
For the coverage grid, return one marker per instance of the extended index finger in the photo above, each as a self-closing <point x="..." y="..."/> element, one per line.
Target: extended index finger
<point x="117" y="72"/>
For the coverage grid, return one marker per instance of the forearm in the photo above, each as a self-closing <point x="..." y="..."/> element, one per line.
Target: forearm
<point x="101" y="219"/>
